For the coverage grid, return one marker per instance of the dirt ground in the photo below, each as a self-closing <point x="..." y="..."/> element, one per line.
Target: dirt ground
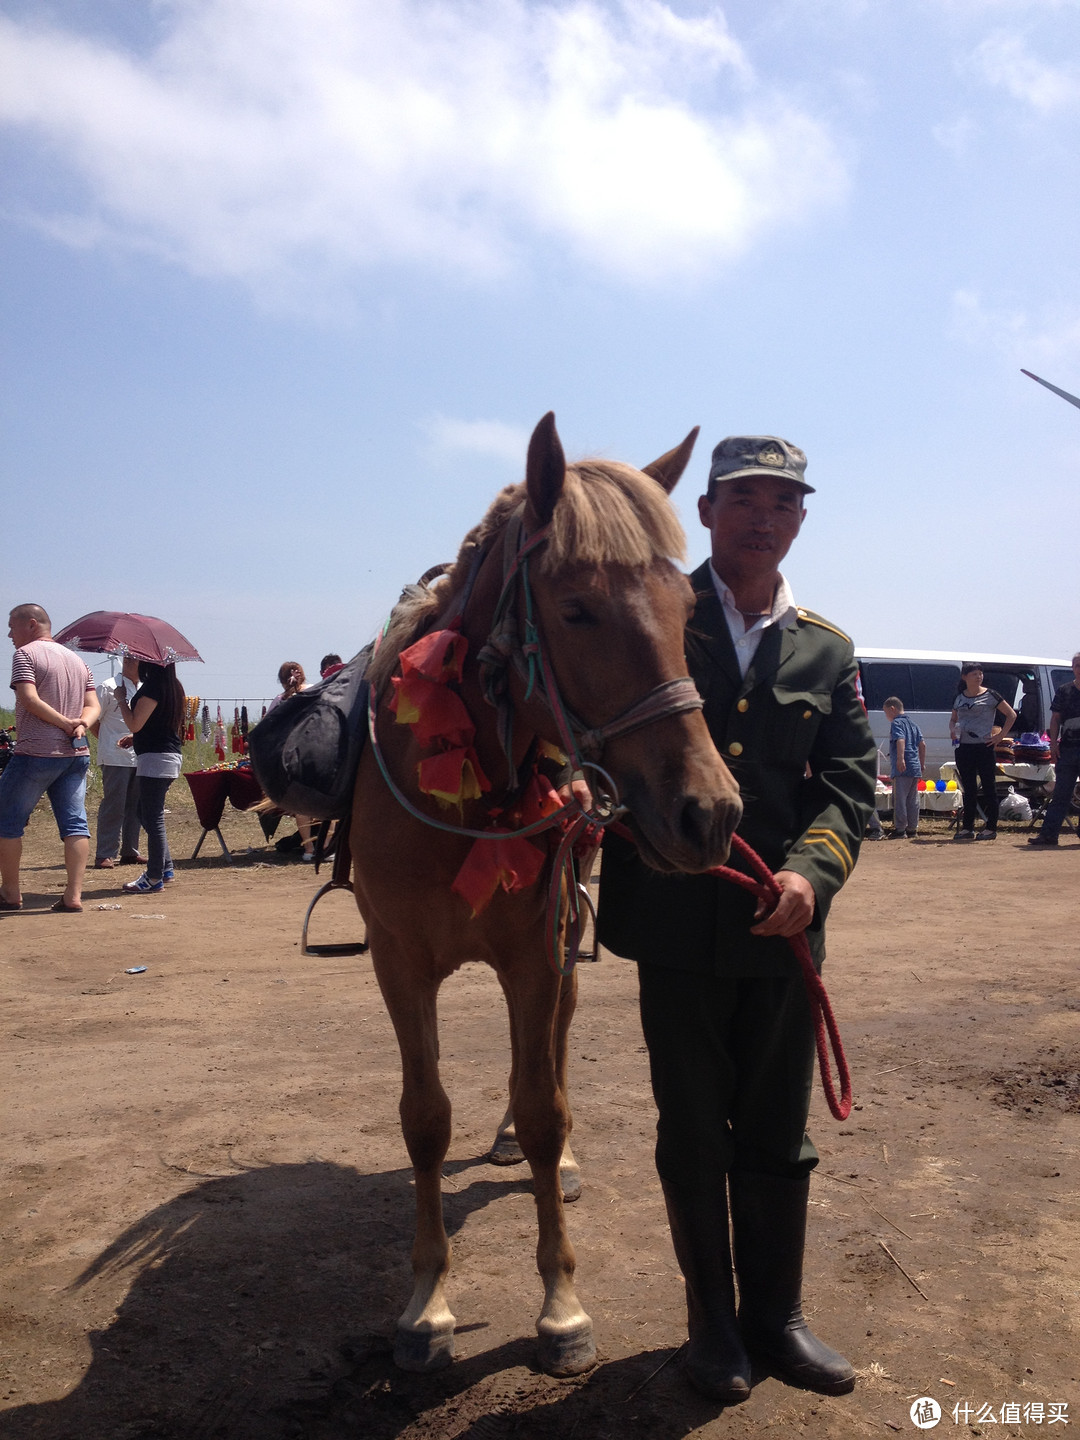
<point x="205" y="1205"/>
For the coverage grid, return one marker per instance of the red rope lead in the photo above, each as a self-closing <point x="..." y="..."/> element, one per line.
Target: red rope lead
<point x="766" y="887"/>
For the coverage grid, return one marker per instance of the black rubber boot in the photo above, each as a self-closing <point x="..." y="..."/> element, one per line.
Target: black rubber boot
<point x="716" y="1360"/>
<point x="768" y="1216"/>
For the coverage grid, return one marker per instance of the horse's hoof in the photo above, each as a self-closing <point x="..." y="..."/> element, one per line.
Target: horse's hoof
<point x="506" y="1151"/>
<point x="423" y="1350"/>
<point x="567" y="1352"/>
<point x="570" y="1180"/>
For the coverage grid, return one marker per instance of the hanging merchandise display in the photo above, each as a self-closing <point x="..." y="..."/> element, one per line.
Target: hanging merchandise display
<point x="219" y="736"/>
<point x="236" y="740"/>
<point x="191" y="714"/>
<point x="206" y="731"/>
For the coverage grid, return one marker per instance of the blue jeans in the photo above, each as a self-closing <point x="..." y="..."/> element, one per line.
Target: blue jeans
<point x="26" y="778"/>
<point x="1066" y="770"/>
<point x="152" y="794"/>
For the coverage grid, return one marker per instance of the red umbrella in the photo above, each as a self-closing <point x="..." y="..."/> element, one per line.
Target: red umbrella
<point x="119" y="632"/>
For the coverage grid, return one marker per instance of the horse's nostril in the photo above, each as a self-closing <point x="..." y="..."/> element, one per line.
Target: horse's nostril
<point x="707" y="829"/>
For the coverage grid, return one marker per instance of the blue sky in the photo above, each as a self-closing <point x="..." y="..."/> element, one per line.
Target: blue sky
<point x="287" y="284"/>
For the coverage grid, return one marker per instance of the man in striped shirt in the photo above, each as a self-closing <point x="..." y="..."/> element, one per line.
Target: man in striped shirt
<point x="55" y="704"/>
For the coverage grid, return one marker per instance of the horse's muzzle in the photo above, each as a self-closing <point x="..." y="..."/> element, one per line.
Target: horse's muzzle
<point x="688" y="838"/>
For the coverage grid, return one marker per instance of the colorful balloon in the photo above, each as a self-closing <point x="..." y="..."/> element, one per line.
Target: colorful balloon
<point x="951" y="785"/>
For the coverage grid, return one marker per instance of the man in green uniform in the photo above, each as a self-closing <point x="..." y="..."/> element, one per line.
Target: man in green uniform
<point x="723" y="1004"/>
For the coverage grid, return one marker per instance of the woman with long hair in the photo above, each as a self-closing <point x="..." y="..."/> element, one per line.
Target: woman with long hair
<point x="975" y="728"/>
<point x="154" y="717"/>
<point x="292" y="680"/>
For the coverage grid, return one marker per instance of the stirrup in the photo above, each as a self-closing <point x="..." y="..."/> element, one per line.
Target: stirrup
<point x="338" y="846"/>
<point x="347" y="947"/>
<point x="594" y="953"/>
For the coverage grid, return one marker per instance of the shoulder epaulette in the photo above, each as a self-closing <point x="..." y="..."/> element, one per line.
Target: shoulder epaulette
<point x="812" y="619"/>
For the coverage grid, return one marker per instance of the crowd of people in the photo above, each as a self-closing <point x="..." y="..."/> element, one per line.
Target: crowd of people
<point x="978" y="723"/>
<point x="136" y="717"/>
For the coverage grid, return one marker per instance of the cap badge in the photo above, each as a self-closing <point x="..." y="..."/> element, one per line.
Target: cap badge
<point x="771" y="456"/>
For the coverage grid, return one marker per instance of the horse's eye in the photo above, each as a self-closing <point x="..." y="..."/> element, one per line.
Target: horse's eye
<point x="574" y="613"/>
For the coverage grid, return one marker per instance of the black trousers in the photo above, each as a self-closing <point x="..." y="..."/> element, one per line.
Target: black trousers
<point x="732" y="1067"/>
<point x="975" y="764"/>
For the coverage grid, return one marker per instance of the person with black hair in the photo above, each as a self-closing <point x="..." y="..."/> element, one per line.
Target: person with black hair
<point x="330" y="665"/>
<point x="154" y="717"/>
<point x="975" y="728"/>
<point x="292" y="680"/>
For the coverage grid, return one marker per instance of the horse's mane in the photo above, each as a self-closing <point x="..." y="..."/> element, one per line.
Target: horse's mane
<point x="608" y="514"/>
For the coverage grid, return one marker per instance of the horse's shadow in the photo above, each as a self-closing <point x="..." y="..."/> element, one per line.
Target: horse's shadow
<point x="257" y="1306"/>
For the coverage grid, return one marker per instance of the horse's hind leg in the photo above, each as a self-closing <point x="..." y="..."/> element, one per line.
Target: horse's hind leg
<point x="425" y="1332"/>
<point x="506" y="1150"/>
<point x="543" y="1121"/>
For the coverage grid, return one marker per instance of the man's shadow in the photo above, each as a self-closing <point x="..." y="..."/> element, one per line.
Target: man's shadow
<point x="258" y="1306"/>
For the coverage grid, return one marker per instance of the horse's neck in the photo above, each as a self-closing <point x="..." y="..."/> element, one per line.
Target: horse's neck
<point x="476" y="624"/>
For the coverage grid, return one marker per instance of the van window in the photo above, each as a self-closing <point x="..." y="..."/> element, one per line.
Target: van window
<point x="1060" y="677"/>
<point x="934" y="687"/>
<point x="1006" y="683"/>
<point x="920" y="686"/>
<point x="882" y="678"/>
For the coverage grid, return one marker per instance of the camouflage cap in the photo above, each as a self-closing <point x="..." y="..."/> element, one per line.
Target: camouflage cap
<point x="740" y="455"/>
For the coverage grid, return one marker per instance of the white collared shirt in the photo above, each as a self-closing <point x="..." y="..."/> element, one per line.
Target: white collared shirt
<point x="747" y="637"/>
<point x="112" y="725"/>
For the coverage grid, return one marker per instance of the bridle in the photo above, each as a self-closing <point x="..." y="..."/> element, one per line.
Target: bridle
<point x="503" y="650"/>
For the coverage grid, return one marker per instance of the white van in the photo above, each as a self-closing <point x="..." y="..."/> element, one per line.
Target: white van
<point x="927" y="681"/>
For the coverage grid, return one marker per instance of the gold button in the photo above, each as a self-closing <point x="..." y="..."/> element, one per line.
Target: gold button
<point x="735" y="748"/>
<point x="806" y="714"/>
<point x="743" y="706"/>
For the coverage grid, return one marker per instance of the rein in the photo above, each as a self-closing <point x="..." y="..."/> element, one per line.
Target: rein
<point x="766" y="887"/>
<point x="826" y="1031"/>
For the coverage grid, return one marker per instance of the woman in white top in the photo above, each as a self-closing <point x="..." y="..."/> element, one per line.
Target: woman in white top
<point x="975" y="729"/>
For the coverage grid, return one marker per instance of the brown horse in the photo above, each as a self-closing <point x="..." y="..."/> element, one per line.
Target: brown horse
<point x="607" y="610"/>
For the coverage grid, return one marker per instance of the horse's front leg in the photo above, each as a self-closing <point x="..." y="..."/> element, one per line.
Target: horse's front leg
<point x="542" y="1120"/>
<point x="506" y="1150"/>
<point x="425" y="1332"/>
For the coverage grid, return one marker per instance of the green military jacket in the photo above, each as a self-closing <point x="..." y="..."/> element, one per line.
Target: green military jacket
<point x="794" y="733"/>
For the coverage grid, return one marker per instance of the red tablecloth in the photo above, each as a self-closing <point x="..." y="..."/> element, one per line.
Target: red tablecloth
<point x="211" y="788"/>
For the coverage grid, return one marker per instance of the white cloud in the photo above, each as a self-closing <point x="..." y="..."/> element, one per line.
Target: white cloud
<point x="493" y="439"/>
<point x="1003" y="60"/>
<point x="270" y="140"/>
<point x="1051" y="338"/>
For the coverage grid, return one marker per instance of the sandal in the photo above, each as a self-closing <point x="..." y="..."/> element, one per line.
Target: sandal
<point x="66" y="909"/>
<point x="107" y="864"/>
<point x="10" y="904"/>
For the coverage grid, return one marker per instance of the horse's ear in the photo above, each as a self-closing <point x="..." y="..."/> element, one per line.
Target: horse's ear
<point x="669" y="467"/>
<point x="545" y="469"/>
